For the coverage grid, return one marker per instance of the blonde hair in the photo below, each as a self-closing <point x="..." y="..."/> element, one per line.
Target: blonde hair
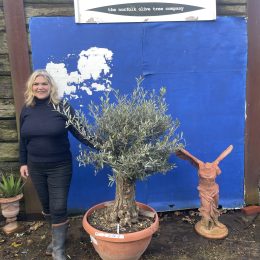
<point x="29" y="96"/>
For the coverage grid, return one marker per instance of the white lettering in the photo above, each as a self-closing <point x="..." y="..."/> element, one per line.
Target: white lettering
<point x="144" y="9"/>
<point x="101" y="234"/>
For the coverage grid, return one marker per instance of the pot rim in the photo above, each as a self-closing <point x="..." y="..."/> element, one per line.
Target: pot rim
<point x="11" y="199"/>
<point x="122" y="237"/>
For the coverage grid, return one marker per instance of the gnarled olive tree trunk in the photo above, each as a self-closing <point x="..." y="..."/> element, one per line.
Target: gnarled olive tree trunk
<point x="123" y="210"/>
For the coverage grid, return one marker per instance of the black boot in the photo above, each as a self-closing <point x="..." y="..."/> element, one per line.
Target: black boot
<point x="58" y="241"/>
<point x="49" y="247"/>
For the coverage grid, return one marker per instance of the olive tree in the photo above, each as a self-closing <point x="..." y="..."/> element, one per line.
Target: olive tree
<point x="134" y="135"/>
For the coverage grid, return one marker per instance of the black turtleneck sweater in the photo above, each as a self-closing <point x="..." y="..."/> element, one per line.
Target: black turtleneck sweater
<point x="44" y="137"/>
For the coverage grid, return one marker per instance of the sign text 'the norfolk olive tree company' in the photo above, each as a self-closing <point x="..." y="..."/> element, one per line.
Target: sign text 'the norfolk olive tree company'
<point x="121" y="11"/>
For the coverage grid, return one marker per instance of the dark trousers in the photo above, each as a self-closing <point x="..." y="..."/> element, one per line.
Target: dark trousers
<point x="52" y="182"/>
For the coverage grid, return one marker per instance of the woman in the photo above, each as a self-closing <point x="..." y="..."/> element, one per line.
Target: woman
<point x="45" y="154"/>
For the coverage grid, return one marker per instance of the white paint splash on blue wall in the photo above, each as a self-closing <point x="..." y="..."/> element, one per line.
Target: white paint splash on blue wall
<point x="93" y="73"/>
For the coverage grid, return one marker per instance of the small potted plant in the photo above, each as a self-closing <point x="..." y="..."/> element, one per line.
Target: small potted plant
<point x="136" y="138"/>
<point x="11" y="186"/>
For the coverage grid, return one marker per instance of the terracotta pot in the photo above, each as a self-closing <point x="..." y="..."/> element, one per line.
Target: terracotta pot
<point x="127" y="246"/>
<point x="10" y="209"/>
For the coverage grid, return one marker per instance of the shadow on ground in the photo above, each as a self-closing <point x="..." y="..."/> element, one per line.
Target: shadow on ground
<point x="176" y="239"/>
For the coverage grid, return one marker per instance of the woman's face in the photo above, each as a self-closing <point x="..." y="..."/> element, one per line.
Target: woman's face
<point x="41" y="88"/>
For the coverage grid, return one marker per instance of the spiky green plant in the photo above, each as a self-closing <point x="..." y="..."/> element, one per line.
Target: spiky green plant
<point x="134" y="135"/>
<point x="10" y="185"/>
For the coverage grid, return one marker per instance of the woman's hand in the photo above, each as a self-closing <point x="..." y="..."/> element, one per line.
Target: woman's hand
<point x="24" y="171"/>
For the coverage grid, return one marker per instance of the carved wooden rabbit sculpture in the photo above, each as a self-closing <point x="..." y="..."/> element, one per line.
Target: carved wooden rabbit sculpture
<point x="209" y="226"/>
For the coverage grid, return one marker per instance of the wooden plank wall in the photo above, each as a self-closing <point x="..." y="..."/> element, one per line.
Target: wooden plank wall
<point x="8" y="131"/>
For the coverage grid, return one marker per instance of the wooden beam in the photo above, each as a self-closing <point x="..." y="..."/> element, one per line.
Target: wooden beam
<point x="17" y="43"/>
<point x="18" y="49"/>
<point x="252" y="145"/>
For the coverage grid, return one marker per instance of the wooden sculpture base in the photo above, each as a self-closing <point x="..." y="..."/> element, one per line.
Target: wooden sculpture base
<point x="213" y="233"/>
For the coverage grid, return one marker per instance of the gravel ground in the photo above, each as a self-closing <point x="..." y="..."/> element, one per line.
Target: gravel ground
<point x="176" y="239"/>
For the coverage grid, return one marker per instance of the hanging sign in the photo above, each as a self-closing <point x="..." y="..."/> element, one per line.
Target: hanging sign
<point x="121" y="11"/>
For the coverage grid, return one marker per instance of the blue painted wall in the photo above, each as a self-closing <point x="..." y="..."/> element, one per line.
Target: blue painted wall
<point x="203" y="67"/>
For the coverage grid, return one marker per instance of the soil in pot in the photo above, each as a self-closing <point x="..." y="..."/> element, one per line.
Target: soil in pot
<point x="98" y="220"/>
